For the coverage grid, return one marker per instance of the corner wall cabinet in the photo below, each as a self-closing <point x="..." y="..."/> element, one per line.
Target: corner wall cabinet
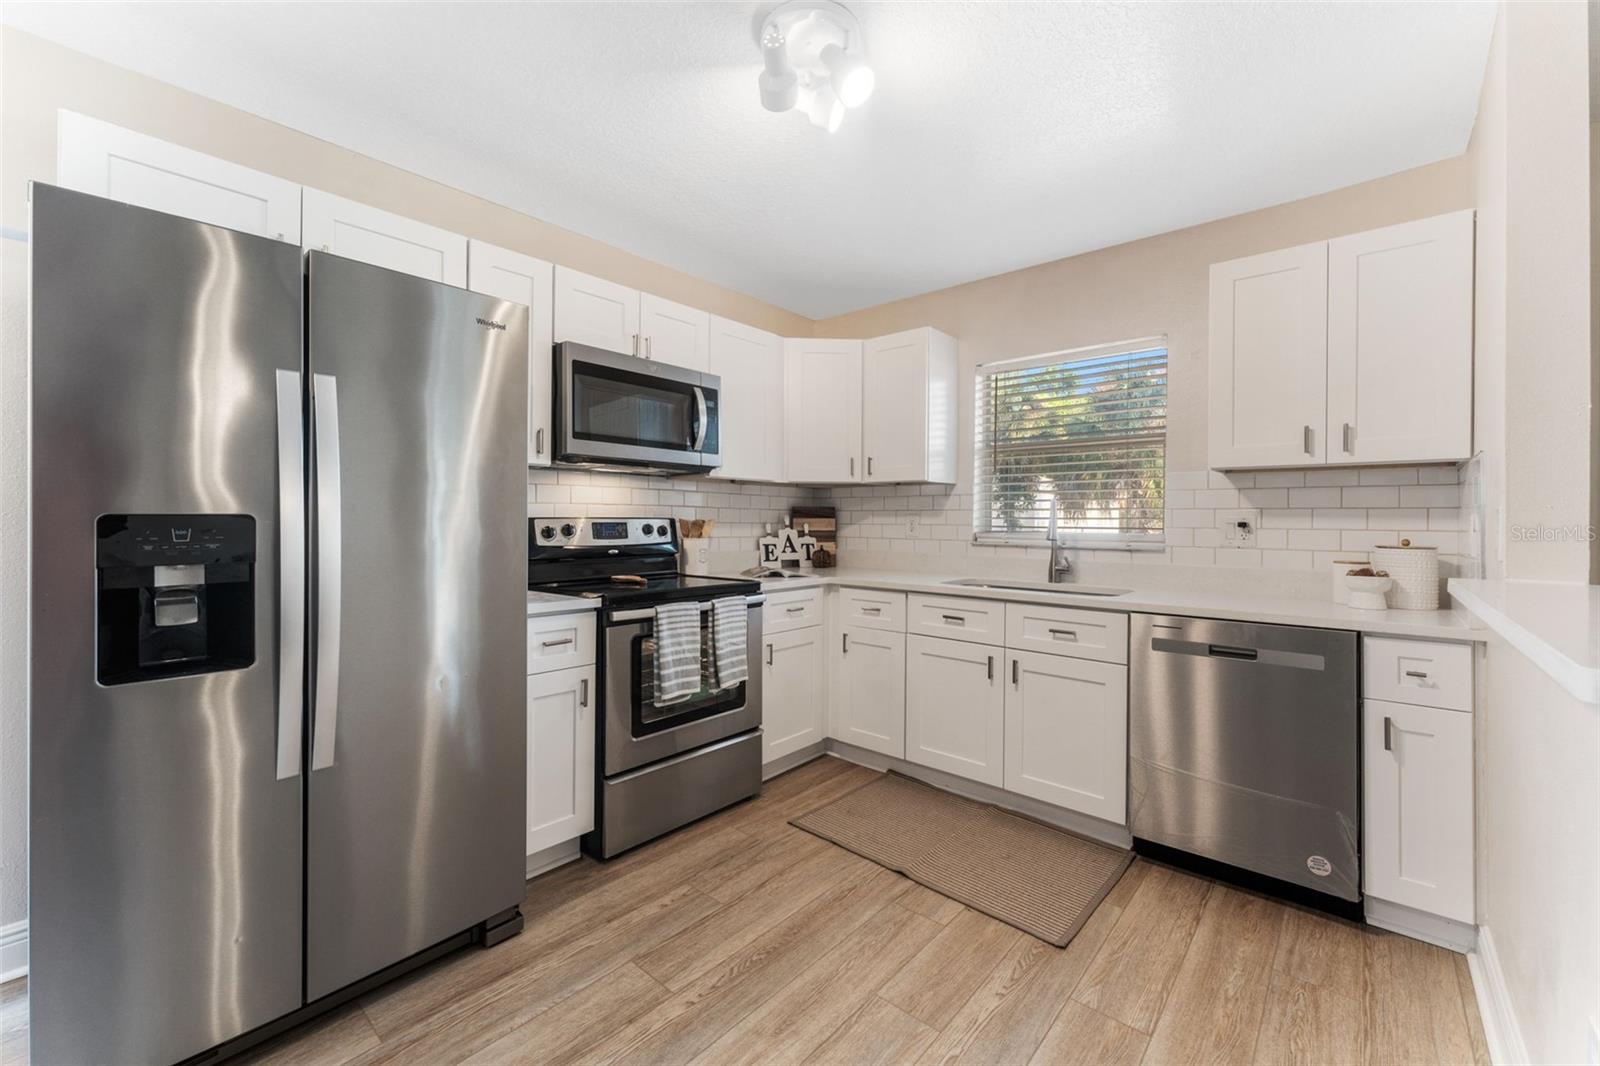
<point x="750" y="363"/>
<point x="523" y="279"/>
<point x="1354" y="350"/>
<point x="908" y="415"/>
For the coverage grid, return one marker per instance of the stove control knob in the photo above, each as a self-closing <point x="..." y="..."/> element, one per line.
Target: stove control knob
<point x="569" y="530"/>
<point x="547" y="532"/>
<point x="648" y="530"/>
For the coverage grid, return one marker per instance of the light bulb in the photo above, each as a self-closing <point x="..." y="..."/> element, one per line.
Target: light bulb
<point x="825" y="109"/>
<point x="852" y="79"/>
<point x="778" y="84"/>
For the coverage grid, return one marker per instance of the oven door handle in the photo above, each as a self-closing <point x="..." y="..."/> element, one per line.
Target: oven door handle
<point x="646" y="614"/>
<point x="700" y="419"/>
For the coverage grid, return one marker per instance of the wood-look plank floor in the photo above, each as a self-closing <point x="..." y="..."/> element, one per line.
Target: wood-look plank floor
<point x="743" y="940"/>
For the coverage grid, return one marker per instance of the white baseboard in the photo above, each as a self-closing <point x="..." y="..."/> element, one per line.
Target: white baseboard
<point x="1073" y="822"/>
<point x="784" y="763"/>
<point x="13" y="951"/>
<point x="546" y="859"/>
<point x="1420" y="925"/>
<point x="1500" y="1027"/>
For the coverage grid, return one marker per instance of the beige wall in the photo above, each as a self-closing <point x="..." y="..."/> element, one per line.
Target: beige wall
<point x="1487" y="153"/>
<point x="1157" y="285"/>
<point x="1547" y="338"/>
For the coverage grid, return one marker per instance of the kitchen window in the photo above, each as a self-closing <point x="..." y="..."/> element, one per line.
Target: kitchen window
<point x="1079" y="436"/>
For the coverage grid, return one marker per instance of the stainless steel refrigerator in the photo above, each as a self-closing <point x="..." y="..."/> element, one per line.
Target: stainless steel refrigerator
<point x="276" y="705"/>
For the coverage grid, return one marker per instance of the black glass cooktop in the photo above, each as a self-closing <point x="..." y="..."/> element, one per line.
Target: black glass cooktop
<point x="658" y="588"/>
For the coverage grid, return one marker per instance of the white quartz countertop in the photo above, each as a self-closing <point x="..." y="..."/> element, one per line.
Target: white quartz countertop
<point x="540" y="603"/>
<point x="1153" y="598"/>
<point x="1554" y="623"/>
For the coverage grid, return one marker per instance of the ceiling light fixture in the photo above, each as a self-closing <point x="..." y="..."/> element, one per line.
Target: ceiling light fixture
<point x="813" y="59"/>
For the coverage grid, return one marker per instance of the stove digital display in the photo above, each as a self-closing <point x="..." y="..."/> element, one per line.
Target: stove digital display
<point x="609" y="530"/>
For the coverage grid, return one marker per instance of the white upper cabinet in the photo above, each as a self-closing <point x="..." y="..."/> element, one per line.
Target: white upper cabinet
<point x="1269" y="359"/>
<point x="525" y="280"/>
<point x="822" y="410"/>
<point x="105" y="160"/>
<point x="909" y="407"/>
<point x="750" y="363"/>
<point x="596" y="312"/>
<point x="1354" y="350"/>
<point x="359" y="231"/>
<point x="1400" y="342"/>
<point x="674" y="333"/>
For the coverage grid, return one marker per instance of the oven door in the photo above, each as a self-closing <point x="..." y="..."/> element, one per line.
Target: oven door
<point x="638" y="730"/>
<point x="621" y="410"/>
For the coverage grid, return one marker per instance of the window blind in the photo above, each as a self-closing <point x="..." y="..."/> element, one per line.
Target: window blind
<point x="1085" y="430"/>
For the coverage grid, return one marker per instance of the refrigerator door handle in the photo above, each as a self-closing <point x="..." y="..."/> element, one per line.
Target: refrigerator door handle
<point x="325" y="418"/>
<point x="291" y="572"/>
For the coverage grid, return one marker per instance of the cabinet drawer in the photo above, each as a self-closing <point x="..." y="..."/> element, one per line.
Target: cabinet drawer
<point x="560" y="641"/>
<point x="872" y="609"/>
<point x="1099" y="635"/>
<point x="795" y="609"/>
<point x="1421" y="672"/>
<point x="978" y="621"/>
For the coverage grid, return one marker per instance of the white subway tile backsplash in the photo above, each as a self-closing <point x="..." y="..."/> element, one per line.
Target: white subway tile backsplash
<point x="1339" y="518"/>
<point x="1431" y="496"/>
<point x="1389" y="475"/>
<point x="1286" y="560"/>
<point x="1439" y="475"/>
<point x="1396" y="517"/>
<point x="1314" y="539"/>
<point x="1180" y="498"/>
<point x="1280" y="479"/>
<point x="1188" y="479"/>
<point x="1261" y="498"/>
<point x="1217" y="498"/>
<point x="1318" y="497"/>
<point x="1371" y="496"/>
<point x="1286" y="518"/>
<point x="1325" y="477"/>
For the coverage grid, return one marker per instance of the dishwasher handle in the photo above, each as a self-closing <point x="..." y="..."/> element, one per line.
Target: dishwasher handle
<point x="1223" y="651"/>
<point x="1296" y="660"/>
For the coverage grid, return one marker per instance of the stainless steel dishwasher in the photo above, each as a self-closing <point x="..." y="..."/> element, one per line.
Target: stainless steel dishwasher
<point x="1244" y="754"/>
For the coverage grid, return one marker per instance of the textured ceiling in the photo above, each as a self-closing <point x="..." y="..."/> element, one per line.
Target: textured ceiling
<point x="1001" y="134"/>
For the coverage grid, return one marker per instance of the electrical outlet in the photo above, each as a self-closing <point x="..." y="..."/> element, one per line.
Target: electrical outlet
<point x="1238" y="526"/>
<point x="913" y="525"/>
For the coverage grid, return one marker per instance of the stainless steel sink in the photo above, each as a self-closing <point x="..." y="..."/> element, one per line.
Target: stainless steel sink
<point x="1039" y="586"/>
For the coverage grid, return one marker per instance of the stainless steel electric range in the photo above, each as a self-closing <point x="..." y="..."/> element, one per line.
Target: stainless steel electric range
<point x="660" y="765"/>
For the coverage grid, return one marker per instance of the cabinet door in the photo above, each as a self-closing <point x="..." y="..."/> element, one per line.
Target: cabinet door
<point x="1400" y="342"/>
<point x="750" y="363"/>
<point x="822" y="410"/>
<point x="793" y="692"/>
<point x="561" y="735"/>
<point x="359" y="231"/>
<point x="870" y="698"/>
<point x="528" y="281"/>
<point x="894" y="407"/>
<point x="596" y="312"/>
<point x="674" y="333"/>
<point x="1269" y="359"/>
<point x="105" y="160"/>
<point x="956" y="708"/>
<point x="1417" y="769"/>
<point x="1067" y="733"/>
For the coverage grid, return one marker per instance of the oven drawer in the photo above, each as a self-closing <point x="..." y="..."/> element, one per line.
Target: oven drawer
<point x="872" y="609"/>
<point x="795" y="609"/>
<point x="977" y="621"/>
<point x="1101" y="635"/>
<point x="560" y="641"/>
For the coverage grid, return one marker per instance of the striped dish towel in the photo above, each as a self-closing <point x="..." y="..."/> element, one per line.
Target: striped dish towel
<point x="677" y="651"/>
<point x="729" y="640"/>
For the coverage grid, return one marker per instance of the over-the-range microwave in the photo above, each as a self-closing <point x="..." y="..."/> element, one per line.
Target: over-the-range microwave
<point x="622" y="412"/>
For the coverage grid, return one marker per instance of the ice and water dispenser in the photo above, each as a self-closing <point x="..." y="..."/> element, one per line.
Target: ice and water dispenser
<point x="176" y="595"/>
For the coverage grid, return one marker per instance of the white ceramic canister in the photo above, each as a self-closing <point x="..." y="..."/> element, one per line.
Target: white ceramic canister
<point x="1415" y="572"/>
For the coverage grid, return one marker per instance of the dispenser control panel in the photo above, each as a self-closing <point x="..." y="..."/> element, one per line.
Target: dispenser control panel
<point x="174" y="539"/>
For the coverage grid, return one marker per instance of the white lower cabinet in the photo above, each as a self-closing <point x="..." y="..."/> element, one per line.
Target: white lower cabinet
<point x="1417" y="807"/>
<point x="955" y="707"/>
<point x="1066" y="730"/>
<point x="793" y="690"/>
<point x="561" y="736"/>
<point x="870" y="690"/>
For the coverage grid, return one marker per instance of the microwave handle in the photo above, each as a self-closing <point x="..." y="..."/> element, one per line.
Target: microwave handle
<point x="700" y="419"/>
